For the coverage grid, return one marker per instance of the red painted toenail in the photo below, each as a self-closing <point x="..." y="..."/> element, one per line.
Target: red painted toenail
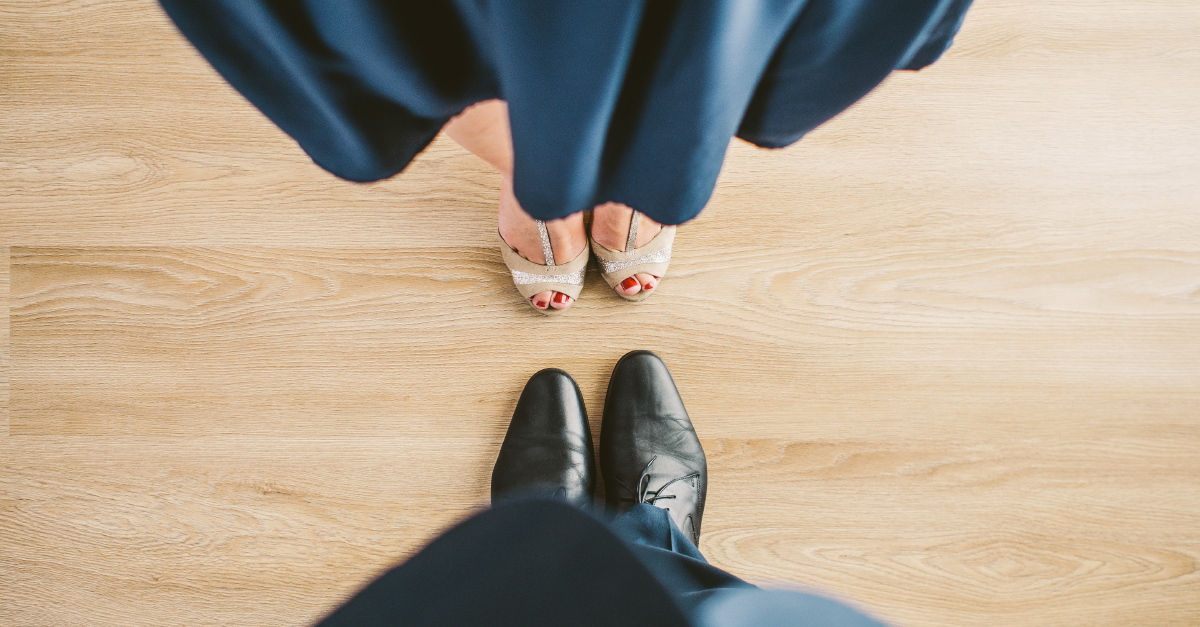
<point x="629" y="283"/>
<point x="649" y="286"/>
<point x="539" y="304"/>
<point x="561" y="298"/>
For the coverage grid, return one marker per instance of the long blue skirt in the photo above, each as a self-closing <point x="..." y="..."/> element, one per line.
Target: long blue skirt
<point x="630" y="101"/>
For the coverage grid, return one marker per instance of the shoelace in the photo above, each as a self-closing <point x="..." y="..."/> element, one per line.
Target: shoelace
<point x="643" y="494"/>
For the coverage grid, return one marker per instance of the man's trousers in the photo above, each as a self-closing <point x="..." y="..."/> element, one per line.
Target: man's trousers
<point x="535" y="563"/>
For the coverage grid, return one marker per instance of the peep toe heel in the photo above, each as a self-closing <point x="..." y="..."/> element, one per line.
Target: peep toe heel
<point x="531" y="278"/>
<point x="652" y="259"/>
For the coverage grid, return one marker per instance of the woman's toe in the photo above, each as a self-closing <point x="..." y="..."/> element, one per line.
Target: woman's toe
<point x="541" y="300"/>
<point x="630" y="286"/>
<point x="647" y="281"/>
<point x="561" y="301"/>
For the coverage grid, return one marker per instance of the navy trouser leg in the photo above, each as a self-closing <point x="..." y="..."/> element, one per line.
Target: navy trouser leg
<point x="536" y="563"/>
<point x="711" y="597"/>
<point x="530" y="563"/>
<point x="673" y="560"/>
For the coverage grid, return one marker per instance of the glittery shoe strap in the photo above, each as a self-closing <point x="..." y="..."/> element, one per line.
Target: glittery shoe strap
<point x="631" y="241"/>
<point x="653" y="258"/>
<point x="531" y="278"/>
<point x="547" y="250"/>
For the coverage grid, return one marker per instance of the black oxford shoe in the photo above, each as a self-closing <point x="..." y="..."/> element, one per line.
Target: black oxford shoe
<point x="649" y="452"/>
<point x="547" y="452"/>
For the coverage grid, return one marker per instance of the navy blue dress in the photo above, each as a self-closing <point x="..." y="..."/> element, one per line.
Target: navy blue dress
<point x="631" y="101"/>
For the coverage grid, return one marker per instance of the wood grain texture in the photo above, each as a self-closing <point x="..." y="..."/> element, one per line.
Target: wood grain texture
<point x="1048" y="531"/>
<point x="942" y="353"/>
<point x="5" y="365"/>
<point x="129" y="341"/>
<point x="218" y="531"/>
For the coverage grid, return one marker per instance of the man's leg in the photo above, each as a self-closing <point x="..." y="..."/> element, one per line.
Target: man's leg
<point x="549" y="563"/>
<point x="528" y="563"/>
<point x="656" y="479"/>
<point x="672" y="558"/>
<point x="711" y="597"/>
<point x="776" y="608"/>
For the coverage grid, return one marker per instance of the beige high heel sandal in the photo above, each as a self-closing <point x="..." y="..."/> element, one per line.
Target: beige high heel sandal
<point x="653" y="258"/>
<point x="531" y="278"/>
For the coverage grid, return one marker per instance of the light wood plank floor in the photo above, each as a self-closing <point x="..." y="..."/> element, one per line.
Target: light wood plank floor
<point x="944" y="354"/>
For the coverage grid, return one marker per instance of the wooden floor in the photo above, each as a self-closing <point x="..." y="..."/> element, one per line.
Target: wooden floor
<point x="944" y="354"/>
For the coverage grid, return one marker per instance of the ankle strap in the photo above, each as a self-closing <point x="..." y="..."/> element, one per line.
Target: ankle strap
<point x="631" y="241"/>
<point x="547" y="251"/>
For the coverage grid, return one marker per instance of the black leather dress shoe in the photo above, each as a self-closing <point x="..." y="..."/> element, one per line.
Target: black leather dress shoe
<point x="547" y="452"/>
<point x="649" y="452"/>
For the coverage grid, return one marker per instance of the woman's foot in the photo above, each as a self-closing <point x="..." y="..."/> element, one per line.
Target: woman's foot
<point x="610" y="229"/>
<point x="483" y="129"/>
<point x="567" y="239"/>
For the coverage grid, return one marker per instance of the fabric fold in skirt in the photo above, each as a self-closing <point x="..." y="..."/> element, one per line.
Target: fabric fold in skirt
<point x="630" y="101"/>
